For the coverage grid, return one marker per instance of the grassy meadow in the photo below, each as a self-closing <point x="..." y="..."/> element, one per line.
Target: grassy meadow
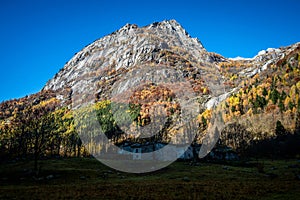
<point x="87" y="178"/>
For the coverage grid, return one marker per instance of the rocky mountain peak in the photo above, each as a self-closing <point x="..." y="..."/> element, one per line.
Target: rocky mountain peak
<point x="169" y="26"/>
<point x="127" y="28"/>
<point x="172" y="27"/>
<point x="128" y="47"/>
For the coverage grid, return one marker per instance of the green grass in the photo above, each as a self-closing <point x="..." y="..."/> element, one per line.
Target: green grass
<point x="86" y="178"/>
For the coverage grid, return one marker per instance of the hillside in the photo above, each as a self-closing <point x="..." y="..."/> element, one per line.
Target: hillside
<point x="157" y="77"/>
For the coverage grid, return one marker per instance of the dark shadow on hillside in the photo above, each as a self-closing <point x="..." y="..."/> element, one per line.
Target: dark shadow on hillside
<point x="285" y="145"/>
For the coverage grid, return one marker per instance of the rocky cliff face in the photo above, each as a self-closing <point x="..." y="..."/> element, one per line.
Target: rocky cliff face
<point x="126" y="48"/>
<point x="163" y="43"/>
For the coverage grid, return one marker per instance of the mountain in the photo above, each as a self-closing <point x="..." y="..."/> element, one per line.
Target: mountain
<point x="163" y="43"/>
<point x="258" y="97"/>
<point x="126" y="48"/>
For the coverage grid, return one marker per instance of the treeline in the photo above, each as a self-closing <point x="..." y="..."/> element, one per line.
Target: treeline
<point x="43" y="127"/>
<point x="40" y="129"/>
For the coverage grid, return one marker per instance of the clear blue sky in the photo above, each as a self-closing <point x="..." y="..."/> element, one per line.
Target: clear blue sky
<point x="38" y="37"/>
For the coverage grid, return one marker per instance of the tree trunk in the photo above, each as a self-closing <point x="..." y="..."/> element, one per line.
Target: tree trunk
<point x="79" y="147"/>
<point x="58" y="147"/>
